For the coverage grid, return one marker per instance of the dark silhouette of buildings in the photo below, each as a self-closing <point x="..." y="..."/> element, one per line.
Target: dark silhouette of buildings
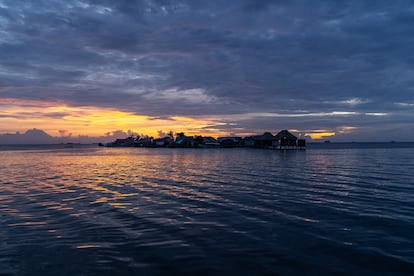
<point x="283" y="140"/>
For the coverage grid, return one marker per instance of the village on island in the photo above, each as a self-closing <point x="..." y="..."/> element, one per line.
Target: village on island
<point x="284" y="140"/>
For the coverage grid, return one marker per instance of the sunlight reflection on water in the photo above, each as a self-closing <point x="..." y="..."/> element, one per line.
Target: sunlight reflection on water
<point x="235" y="210"/>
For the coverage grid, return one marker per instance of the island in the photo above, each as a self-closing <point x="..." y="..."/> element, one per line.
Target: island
<point x="283" y="140"/>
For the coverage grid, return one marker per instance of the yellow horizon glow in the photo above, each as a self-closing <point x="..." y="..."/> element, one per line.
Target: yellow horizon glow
<point x="320" y="135"/>
<point x="62" y="120"/>
<point x="58" y="118"/>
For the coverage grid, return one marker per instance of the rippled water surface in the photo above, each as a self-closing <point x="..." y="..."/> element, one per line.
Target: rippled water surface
<point x="109" y="211"/>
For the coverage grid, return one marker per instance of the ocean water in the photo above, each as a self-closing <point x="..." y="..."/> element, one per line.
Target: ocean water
<point x="133" y="211"/>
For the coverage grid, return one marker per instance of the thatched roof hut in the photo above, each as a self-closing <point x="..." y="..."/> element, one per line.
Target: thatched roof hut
<point x="284" y="134"/>
<point x="285" y="138"/>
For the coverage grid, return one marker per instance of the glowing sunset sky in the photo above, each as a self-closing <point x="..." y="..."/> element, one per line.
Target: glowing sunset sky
<point x="338" y="70"/>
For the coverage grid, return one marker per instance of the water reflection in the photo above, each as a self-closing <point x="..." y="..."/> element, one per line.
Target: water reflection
<point x="145" y="209"/>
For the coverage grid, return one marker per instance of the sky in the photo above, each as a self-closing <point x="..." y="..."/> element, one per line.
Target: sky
<point x="328" y="70"/>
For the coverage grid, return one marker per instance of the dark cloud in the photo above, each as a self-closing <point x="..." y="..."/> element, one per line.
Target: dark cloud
<point x="165" y="58"/>
<point x="31" y="115"/>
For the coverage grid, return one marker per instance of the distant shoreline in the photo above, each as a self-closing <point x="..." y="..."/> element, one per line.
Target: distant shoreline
<point x="308" y="143"/>
<point x="309" y="146"/>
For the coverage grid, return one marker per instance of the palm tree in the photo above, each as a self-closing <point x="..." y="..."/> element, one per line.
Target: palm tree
<point x="171" y="134"/>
